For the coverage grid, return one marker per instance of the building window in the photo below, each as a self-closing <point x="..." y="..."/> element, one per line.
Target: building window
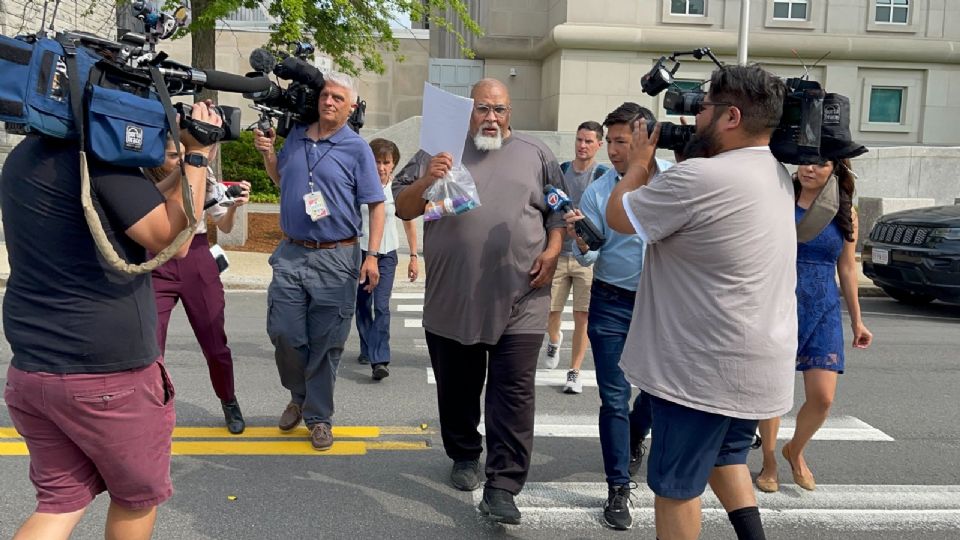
<point x="886" y="105"/>
<point x="892" y="11"/>
<point x="791" y="10"/>
<point x="687" y="7"/>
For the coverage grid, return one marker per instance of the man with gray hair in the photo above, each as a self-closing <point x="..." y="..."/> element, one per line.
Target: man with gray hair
<point x="325" y="171"/>
<point x="488" y="296"/>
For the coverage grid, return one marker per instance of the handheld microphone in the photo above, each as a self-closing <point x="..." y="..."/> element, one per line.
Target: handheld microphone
<point x="227" y="197"/>
<point x="585" y="229"/>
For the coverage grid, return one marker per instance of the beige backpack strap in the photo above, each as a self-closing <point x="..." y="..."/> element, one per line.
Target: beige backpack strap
<point x="821" y="212"/>
<point x="108" y="251"/>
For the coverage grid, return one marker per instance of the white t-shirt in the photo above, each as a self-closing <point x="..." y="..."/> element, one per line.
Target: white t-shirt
<point x="714" y="325"/>
<point x="391" y="240"/>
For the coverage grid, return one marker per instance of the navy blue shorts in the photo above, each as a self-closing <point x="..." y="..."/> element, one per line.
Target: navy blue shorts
<point x="687" y="444"/>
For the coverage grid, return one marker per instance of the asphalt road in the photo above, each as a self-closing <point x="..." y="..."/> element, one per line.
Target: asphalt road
<point x="887" y="472"/>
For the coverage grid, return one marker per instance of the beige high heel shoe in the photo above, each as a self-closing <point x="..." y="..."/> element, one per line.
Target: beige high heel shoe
<point x="805" y="481"/>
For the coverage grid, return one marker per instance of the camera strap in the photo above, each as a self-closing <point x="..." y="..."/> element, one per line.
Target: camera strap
<point x="821" y="212"/>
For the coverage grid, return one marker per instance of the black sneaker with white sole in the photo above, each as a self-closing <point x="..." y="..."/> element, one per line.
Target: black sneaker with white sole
<point x="616" y="513"/>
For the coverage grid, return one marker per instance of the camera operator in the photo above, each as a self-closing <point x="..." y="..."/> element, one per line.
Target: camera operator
<point x="86" y="388"/>
<point x="713" y="336"/>
<point x="196" y="281"/>
<point x="325" y="171"/>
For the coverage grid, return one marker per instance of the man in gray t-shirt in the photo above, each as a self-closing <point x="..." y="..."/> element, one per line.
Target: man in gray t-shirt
<point x="714" y="332"/>
<point x="485" y="308"/>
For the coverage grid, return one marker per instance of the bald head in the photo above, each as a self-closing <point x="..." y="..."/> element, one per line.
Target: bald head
<point x="484" y="85"/>
<point x="490" y="121"/>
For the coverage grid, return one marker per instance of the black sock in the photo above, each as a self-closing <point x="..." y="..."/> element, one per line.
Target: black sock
<point x="746" y="523"/>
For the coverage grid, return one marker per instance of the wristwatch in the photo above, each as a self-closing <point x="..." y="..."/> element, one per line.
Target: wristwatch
<point x="373" y="253"/>
<point x="196" y="160"/>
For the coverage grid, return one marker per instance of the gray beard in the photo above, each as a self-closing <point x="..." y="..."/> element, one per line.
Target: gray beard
<point x="486" y="144"/>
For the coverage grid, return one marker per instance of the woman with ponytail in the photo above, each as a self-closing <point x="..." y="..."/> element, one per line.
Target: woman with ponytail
<point x="820" y="342"/>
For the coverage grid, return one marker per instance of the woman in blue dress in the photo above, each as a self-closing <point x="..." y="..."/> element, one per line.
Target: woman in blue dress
<point x="820" y="340"/>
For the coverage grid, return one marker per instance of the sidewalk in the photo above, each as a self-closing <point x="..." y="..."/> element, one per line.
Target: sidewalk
<point x="250" y="271"/>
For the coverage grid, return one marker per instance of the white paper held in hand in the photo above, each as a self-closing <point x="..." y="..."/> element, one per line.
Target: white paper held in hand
<point x="446" y="121"/>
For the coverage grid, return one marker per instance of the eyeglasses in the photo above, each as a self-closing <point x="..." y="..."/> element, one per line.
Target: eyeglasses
<point x="706" y="103"/>
<point x="499" y="110"/>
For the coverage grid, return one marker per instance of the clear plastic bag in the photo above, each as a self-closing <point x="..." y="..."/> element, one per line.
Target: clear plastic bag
<point x="451" y="195"/>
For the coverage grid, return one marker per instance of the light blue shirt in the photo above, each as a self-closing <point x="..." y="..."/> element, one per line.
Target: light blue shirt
<point x="620" y="259"/>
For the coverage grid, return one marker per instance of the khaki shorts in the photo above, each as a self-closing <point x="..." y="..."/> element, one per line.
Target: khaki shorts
<point x="571" y="274"/>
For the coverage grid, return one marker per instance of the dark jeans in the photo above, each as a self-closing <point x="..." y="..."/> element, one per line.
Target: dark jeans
<point x="460" y="371"/>
<point x="607" y="326"/>
<point x="373" y="312"/>
<point x="310" y="302"/>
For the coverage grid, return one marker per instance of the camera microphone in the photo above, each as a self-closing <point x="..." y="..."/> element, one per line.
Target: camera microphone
<point x="585" y="229"/>
<point x="225" y="198"/>
<point x="261" y="60"/>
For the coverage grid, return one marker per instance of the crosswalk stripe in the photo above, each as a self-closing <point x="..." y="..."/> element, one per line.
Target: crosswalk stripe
<point x="545" y="377"/>
<point x="418" y="308"/>
<point x="571" y="505"/>
<point x="407" y="295"/>
<point x="839" y="428"/>
<point x="418" y="323"/>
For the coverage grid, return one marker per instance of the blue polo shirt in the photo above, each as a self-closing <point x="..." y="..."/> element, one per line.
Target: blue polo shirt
<point x="344" y="171"/>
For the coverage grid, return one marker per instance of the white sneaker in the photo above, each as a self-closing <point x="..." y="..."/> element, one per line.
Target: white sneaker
<point x="552" y="358"/>
<point x="574" y="385"/>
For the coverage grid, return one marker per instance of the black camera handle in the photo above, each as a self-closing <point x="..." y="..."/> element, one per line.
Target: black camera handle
<point x="698" y="54"/>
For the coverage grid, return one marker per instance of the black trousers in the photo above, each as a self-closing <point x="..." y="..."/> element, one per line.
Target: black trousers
<point x="509" y="368"/>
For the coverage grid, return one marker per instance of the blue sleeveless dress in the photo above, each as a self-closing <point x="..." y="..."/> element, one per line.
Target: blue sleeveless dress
<point x="820" y="340"/>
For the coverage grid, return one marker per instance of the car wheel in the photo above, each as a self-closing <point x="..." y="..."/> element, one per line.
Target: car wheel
<point x="909" y="297"/>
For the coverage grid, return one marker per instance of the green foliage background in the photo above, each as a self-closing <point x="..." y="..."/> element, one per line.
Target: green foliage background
<point x="239" y="160"/>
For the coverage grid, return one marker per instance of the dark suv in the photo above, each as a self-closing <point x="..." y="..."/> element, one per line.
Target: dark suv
<point x="914" y="255"/>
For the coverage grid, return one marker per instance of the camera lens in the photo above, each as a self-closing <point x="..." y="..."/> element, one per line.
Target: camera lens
<point x="672" y="136"/>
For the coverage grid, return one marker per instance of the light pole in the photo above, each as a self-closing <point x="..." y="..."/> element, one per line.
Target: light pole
<point x="744" y="34"/>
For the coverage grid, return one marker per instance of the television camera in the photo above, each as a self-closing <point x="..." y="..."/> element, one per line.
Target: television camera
<point x="796" y="139"/>
<point x="297" y="103"/>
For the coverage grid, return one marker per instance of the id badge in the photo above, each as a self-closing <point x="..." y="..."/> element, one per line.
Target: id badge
<point x="316" y="205"/>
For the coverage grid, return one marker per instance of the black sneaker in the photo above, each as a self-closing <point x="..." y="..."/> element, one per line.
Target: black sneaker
<point x="380" y="372"/>
<point x="465" y="474"/>
<point x="363" y="359"/>
<point x="636" y="459"/>
<point x="616" y="513"/>
<point x="498" y="505"/>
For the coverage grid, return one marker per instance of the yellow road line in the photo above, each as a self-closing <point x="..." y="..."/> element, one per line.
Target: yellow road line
<point x="13" y="449"/>
<point x="265" y="448"/>
<point x="404" y="430"/>
<point x="9" y="433"/>
<point x="261" y="448"/>
<point x="346" y="432"/>
<point x="397" y="445"/>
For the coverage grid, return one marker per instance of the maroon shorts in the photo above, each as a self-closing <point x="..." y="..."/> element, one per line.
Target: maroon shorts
<point x="87" y="433"/>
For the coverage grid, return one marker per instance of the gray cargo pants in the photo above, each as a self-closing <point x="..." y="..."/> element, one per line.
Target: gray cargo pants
<point x="311" y="301"/>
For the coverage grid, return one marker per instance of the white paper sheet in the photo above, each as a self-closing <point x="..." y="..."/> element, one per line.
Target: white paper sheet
<point x="446" y="120"/>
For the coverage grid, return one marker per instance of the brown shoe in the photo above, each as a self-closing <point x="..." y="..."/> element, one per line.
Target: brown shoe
<point x="321" y="436"/>
<point x="291" y="417"/>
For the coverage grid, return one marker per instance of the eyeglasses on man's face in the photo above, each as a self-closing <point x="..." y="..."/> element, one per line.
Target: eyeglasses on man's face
<point x="499" y="110"/>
